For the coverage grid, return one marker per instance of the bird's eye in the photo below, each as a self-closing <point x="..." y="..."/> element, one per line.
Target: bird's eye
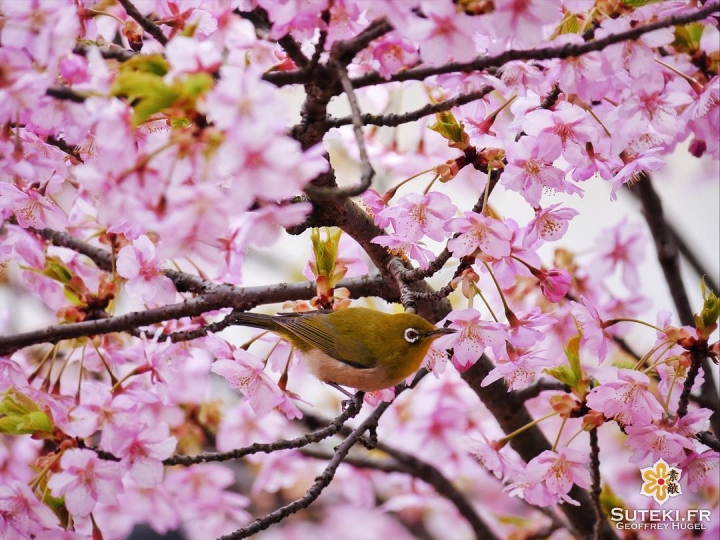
<point x="411" y="335"/>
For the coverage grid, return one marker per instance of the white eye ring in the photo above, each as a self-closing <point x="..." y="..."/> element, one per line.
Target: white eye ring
<point x="411" y="335"/>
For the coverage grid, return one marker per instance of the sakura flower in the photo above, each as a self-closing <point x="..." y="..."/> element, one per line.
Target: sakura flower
<point x="519" y="369"/>
<point x="22" y="514"/>
<point x="594" y="336"/>
<point x="393" y="54"/>
<point x="142" y="449"/>
<point x="554" y="283"/>
<point x="416" y="215"/>
<point x="523" y="20"/>
<point x="622" y="247"/>
<point x="376" y="207"/>
<point x="188" y="55"/>
<point x="568" y="123"/>
<point x="139" y="265"/>
<point x="655" y="441"/>
<point x="246" y="373"/>
<point x="530" y="171"/>
<point x="563" y="469"/>
<point x="30" y="207"/>
<point x="700" y="469"/>
<point x="524" y="327"/>
<point x="415" y="250"/>
<point x="634" y="169"/>
<point x="549" y="224"/>
<point x="443" y="33"/>
<point x="473" y="335"/>
<point x="85" y="480"/>
<point x="493" y="456"/>
<point x="624" y="397"/>
<point x="478" y="231"/>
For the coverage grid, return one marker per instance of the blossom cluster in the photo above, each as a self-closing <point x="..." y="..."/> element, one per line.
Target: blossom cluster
<point x="142" y="156"/>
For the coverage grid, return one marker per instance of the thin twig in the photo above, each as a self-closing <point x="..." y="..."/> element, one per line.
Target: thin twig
<point x="65" y="93"/>
<point x="108" y="53"/>
<point x="367" y="171"/>
<point x="570" y="50"/>
<point x="392" y="120"/>
<point x="331" y="429"/>
<point x="708" y="439"/>
<point x="146" y="24"/>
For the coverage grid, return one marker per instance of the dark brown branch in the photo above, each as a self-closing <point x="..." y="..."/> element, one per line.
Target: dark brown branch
<point x="146" y="24"/>
<point x="346" y="50"/>
<point x="108" y="53"/>
<point x="321" y="482"/>
<point x="292" y="48"/>
<point x="392" y="120"/>
<point x="708" y="439"/>
<point x="596" y="486"/>
<point x="570" y="50"/>
<point x="667" y="254"/>
<point x="367" y="171"/>
<point x="331" y="429"/>
<point x="544" y="385"/>
<point x="221" y="296"/>
<point x="65" y="93"/>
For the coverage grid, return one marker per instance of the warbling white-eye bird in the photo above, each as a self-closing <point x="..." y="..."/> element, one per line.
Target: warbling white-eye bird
<point x="357" y="347"/>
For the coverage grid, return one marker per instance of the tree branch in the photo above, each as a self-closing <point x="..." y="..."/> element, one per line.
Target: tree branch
<point x="352" y="410"/>
<point x="222" y="296"/>
<point x="667" y="254"/>
<point x="392" y="120"/>
<point x="570" y="50"/>
<point x="146" y="24"/>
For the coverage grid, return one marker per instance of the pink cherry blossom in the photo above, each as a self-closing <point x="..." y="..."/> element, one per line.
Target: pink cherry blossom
<point x="623" y="396"/>
<point x="22" y="514"/>
<point x="393" y="54"/>
<point x="415" y="250"/>
<point x="519" y="370"/>
<point x="554" y="283"/>
<point x="530" y="169"/>
<point x="142" y="449"/>
<point x="563" y="469"/>
<point x="246" y="373"/>
<point x="85" y="480"/>
<point x="477" y="231"/>
<point x="651" y="442"/>
<point x="594" y="336"/>
<point x="473" y="335"/>
<point x="415" y="216"/>
<point x="699" y="469"/>
<point x="139" y="265"/>
<point x="549" y="224"/>
<point x="443" y="34"/>
<point x="622" y="247"/>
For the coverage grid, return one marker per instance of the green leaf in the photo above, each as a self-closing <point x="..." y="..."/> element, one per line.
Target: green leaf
<point x="196" y="84"/>
<point x="640" y="3"/>
<point x="564" y="374"/>
<point x="146" y="63"/>
<point x="147" y="94"/>
<point x="687" y="37"/>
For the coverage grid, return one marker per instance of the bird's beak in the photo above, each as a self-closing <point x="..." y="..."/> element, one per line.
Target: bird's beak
<point x="441" y="332"/>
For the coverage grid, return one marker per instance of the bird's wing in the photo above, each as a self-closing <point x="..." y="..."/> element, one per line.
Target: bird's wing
<point x="318" y="335"/>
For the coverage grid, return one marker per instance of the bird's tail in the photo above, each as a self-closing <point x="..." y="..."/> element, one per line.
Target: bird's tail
<point x="256" y="320"/>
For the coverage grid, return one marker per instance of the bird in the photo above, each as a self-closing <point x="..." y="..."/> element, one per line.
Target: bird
<point x="356" y="347"/>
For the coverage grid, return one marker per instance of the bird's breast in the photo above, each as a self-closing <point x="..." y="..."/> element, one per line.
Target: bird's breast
<point x="328" y="369"/>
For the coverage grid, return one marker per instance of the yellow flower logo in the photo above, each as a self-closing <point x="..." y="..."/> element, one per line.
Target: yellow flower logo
<point x="661" y="481"/>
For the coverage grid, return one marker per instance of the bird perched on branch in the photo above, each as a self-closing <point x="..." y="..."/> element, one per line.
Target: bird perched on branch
<point x="356" y="347"/>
